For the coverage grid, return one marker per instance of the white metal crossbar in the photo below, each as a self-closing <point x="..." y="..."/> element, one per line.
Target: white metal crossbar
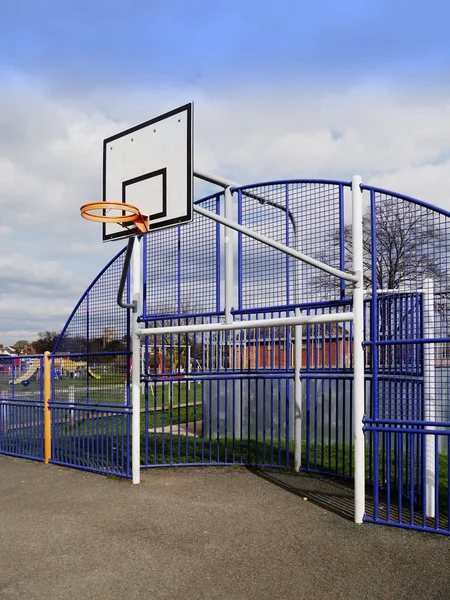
<point x="273" y="244"/>
<point x="251" y="324"/>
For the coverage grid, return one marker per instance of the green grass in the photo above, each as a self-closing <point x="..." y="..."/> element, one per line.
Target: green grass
<point x="178" y="391"/>
<point x="108" y="389"/>
<point x="64" y="384"/>
<point x="175" y="417"/>
<point x="188" y="450"/>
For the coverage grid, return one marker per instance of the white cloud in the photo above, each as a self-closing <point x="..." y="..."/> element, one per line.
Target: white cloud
<point x="35" y="295"/>
<point x="427" y="182"/>
<point x="50" y="164"/>
<point x="45" y="276"/>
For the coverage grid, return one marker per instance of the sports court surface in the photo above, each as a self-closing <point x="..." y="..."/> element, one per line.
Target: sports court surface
<point x="202" y="533"/>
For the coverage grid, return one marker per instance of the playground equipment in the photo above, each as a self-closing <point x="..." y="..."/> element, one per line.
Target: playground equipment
<point x="33" y="369"/>
<point x="66" y="367"/>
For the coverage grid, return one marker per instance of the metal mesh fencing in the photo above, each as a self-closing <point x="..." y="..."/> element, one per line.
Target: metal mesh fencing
<point x="179" y="263"/>
<point x="229" y="397"/>
<point x="306" y="216"/>
<point x="206" y="404"/>
<point x="406" y="244"/>
<point x="98" y="324"/>
<point x="91" y="380"/>
<point x="407" y="266"/>
<point x="91" y="361"/>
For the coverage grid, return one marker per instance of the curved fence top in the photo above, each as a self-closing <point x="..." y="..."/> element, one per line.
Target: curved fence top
<point x="183" y="267"/>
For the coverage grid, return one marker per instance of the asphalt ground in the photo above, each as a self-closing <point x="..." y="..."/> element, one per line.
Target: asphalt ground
<point x="197" y="533"/>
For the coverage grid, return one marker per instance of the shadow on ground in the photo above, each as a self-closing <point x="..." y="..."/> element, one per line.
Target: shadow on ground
<point x="332" y="494"/>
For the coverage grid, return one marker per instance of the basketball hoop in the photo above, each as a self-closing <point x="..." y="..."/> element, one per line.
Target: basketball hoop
<point x="135" y="217"/>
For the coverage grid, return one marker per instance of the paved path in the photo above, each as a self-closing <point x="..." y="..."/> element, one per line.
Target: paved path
<point x="199" y="533"/>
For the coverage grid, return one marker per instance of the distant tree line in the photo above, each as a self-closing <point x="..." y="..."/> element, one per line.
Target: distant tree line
<point x="46" y="342"/>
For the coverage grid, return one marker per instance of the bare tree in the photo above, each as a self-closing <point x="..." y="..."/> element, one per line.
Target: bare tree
<point x="411" y="245"/>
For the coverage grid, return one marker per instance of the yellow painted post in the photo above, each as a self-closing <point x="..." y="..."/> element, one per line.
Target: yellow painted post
<point x="47" y="413"/>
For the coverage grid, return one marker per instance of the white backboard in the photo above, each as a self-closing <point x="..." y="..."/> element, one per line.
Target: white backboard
<point x="151" y="167"/>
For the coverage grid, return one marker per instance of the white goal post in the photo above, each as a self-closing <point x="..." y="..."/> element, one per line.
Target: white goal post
<point x="356" y="316"/>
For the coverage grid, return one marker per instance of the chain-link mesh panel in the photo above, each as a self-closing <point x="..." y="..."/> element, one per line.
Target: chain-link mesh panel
<point x="101" y="378"/>
<point x="304" y="216"/>
<point x="406" y="261"/>
<point x="181" y="268"/>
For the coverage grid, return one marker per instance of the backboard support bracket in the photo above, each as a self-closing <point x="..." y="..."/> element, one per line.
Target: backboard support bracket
<point x="129" y="253"/>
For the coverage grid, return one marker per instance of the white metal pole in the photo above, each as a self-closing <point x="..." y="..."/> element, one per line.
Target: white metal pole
<point x="298" y="337"/>
<point x="221" y="181"/>
<point x="72" y="402"/>
<point x="230" y="303"/>
<point x="136" y="277"/>
<point x="358" y="352"/>
<point x="229" y="257"/>
<point x="429" y="383"/>
<point x="188" y="365"/>
<point x="142" y="363"/>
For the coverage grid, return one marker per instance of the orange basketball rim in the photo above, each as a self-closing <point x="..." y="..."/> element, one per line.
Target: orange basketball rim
<point x="134" y="216"/>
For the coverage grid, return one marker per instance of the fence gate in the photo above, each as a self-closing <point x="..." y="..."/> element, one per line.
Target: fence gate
<point x="91" y="371"/>
<point x="22" y="406"/>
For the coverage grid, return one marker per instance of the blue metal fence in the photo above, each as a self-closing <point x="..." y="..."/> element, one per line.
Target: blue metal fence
<point x="408" y="428"/>
<point x="21" y="406"/>
<point x="96" y="439"/>
<point x="223" y="398"/>
<point x="90" y="403"/>
<point x="235" y="403"/>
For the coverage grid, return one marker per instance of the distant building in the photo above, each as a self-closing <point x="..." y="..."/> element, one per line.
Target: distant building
<point x="326" y="347"/>
<point x="7" y="351"/>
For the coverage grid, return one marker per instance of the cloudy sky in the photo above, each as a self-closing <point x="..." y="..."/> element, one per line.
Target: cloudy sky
<point x="281" y="89"/>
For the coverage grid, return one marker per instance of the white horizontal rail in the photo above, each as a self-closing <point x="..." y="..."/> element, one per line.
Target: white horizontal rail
<point x="252" y="324"/>
<point x="215" y="179"/>
<point x="265" y="240"/>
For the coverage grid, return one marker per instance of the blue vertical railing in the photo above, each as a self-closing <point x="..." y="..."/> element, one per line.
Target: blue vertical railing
<point x="21" y="406"/>
<point x="409" y="465"/>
